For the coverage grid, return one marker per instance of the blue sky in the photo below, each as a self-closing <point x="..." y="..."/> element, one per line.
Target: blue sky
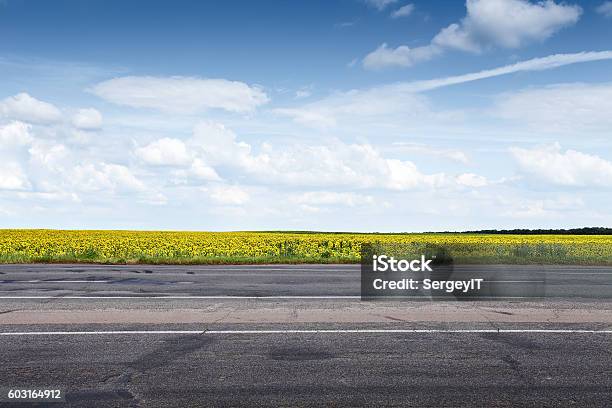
<point x="362" y="115"/>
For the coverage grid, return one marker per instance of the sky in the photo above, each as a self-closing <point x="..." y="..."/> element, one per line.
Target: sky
<point x="335" y="115"/>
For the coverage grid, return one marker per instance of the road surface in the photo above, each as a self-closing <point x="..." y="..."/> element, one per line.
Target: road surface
<point x="299" y="336"/>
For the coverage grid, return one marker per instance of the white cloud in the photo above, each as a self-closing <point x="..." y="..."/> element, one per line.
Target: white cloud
<point x="404" y="175"/>
<point x="219" y="145"/>
<point x="35" y="159"/>
<point x="87" y="119"/>
<point x="402" y="56"/>
<point x="534" y="64"/>
<point x="336" y="164"/>
<point x="49" y="155"/>
<point x="605" y="9"/>
<point x="55" y="169"/>
<point x="421" y="149"/>
<point x="487" y="24"/>
<point x="174" y="152"/>
<point x="542" y="208"/>
<point x="380" y="4"/>
<point x="14" y="138"/>
<point x="403" y="11"/>
<point x="303" y="92"/>
<point x="12" y="177"/>
<point x="25" y="108"/>
<point x="566" y="108"/>
<point x="106" y="177"/>
<point x="202" y="171"/>
<point x="400" y="102"/>
<point x="309" y="116"/>
<point x="14" y="134"/>
<point x="454" y="36"/>
<point x="229" y="195"/>
<point x="570" y="168"/>
<point x="165" y="152"/>
<point x="507" y="23"/>
<point x="346" y="24"/>
<point x="186" y="95"/>
<point x="472" y="180"/>
<point x="331" y="198"/>
<point x="356" y="105"/>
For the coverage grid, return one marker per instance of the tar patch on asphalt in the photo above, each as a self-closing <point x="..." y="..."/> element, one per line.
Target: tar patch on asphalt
<point x="298" y="354"/>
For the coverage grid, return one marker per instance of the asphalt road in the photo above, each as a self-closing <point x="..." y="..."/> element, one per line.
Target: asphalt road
<point x="274" y="280"/>
<point x="299" y="336"/>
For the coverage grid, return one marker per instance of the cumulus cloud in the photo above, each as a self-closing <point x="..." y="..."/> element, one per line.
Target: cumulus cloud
<point x="25" y="108"/>
<point x="165" y="152"/>
<point x="507" y="23"/>
<point x="402" y="56"/>
<point x="15" y="134"/>
<point x="219" y="144"/>
<point x="336" y="164"/>
<point x="404" y="175"/>
<point x="107" y="177"/>
<point x="14" y="138"/>
<point x="568" y="168"/>
<point x="55" y="168"/>
<point x="200" y="170"/>
<point x="403" y="11"/>
<point x="487" y="24"/>
<point x="605" y="9"/>
<point x="12" y="177"/>
<point x="87" y="119"/>
<point x="380" y="4"/>
<point x="455" y="36"/>
<point x="44" y="168"/>
<point x="174" y="152"/>
<point x="183" y="95"/>
<point x="49" y="155"/>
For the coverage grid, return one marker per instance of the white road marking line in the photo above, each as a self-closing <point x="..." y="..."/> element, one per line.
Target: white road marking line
<point x="55" y="281"/>
<point x="67" y="333"/>
<point x="253" y="297"/>
<point x="188" y="282"/>
<point x="179" y="268"/>
<point x="355" y="267"/>
<point x="75" y="281"/>
<point x="513" y="281"/>
<point x="409" y="331"/>
<point x="583" y="273"/>
<point x="298" y="331"/>
<point x="180" y="297"/>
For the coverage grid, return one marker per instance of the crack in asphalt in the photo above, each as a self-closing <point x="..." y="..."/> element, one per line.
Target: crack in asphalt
<point x="502" y="312"/>
<point x="484" y="315"/>
<point x="515" y="366"/>
<point x="158" y="357"/>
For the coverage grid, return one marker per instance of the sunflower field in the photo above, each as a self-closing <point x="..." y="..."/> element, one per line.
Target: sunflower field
<point x="105" y="246"/>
